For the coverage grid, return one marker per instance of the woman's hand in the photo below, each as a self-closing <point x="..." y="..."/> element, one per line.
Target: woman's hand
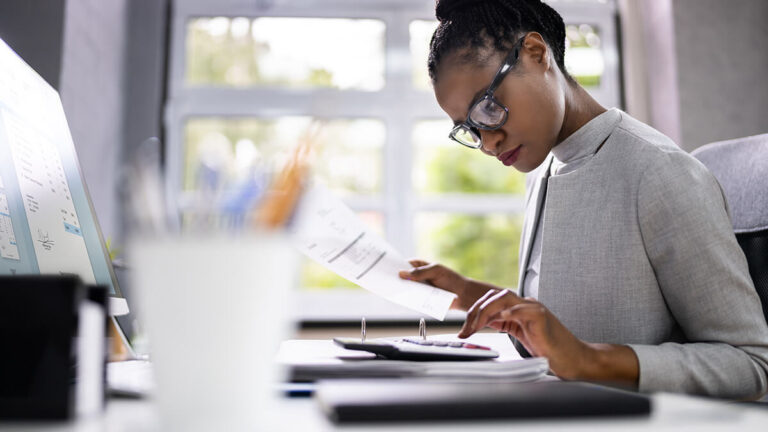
<point x="543" y="335"/>
<point x="440" y="276"/>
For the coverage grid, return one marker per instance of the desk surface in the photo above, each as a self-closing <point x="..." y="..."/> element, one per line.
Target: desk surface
<point x="670" y="412"/>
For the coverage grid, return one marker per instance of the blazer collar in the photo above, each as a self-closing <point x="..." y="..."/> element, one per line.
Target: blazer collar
<point x="588" y="138"/>
<point x="534" y="207"/>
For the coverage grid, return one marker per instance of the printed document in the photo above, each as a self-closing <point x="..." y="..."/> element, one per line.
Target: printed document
<point x="329" y="232"/>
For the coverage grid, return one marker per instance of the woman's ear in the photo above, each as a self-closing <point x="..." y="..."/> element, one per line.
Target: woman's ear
<point x="535" y="52"/>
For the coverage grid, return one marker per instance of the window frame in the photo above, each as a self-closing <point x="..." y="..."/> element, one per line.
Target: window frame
<point x="398" y="104"/>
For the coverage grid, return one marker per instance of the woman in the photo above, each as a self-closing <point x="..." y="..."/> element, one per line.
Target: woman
<point x="630" y="271"/>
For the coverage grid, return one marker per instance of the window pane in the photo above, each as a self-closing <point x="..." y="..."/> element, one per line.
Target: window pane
<point x="444" y="166"/>
<point x="289" y="52"/>
<point x="583" y="55"/>
<point x="483" y="247"/>
<point x="220" y="151"/>
<point x="421" y="33"/>
<point x="316" y="277"/>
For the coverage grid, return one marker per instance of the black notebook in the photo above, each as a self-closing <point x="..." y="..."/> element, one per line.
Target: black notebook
<point x="411" y="399"/>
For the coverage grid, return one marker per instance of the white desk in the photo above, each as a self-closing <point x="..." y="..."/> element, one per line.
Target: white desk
<point x="670" y="412"/>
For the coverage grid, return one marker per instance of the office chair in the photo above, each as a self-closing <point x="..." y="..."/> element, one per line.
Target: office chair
<point x="741" y="167"/>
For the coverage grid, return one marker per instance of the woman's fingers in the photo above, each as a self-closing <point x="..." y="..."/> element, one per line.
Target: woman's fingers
<point x="417" y="262"/>
<point x="485" y="308"/>
<point x="523" y="314"/>
<point x="475" y="308"/>
<point x="505" y="326"/>
<point x="423" y="273"/>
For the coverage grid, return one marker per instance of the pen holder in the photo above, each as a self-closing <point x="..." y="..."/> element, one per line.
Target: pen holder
<point x="216" y="308"/>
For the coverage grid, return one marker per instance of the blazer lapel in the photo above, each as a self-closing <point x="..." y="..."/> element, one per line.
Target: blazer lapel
<point x="534" y="204"/>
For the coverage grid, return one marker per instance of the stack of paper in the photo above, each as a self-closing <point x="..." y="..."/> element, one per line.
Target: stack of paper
<point x="311" y="360"/>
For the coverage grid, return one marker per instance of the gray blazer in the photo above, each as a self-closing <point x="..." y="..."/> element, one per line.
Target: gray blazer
<point x="638" y="249"/>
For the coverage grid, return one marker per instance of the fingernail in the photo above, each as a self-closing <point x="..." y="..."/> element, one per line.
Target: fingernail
<point x="464" y="332"/>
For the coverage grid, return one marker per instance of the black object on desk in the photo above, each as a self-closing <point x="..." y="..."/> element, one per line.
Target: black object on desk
<point x="419" y="399"/>
<point x="40" y="322"/>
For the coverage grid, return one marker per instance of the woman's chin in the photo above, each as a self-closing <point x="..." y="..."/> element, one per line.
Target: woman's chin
<point x="525" y="163"/>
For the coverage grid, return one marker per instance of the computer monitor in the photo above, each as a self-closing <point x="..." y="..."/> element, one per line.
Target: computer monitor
<point x="47" y="221"/>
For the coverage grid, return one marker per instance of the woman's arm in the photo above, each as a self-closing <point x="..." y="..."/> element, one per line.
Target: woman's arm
<point x="704" y="278"/>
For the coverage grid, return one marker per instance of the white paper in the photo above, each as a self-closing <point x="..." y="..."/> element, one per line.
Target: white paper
<point x="328" y="232"/>
<point x="89" y="391"/>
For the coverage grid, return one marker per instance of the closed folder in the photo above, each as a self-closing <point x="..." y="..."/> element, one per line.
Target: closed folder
<point x="418" y="399"/>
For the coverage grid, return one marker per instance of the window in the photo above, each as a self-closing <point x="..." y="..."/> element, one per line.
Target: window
<point x="246" y="81"/>
<point x="241" y="52"/>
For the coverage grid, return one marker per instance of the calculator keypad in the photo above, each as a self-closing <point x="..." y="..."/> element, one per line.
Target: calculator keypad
<point x="424" y="342"/>
<point x="420" y="349"/>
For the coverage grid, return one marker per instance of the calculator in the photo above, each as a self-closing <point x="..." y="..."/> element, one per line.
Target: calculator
<point x="419" y="349"/>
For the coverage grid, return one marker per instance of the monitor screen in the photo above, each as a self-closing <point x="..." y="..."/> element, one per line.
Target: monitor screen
<point x="47" y="223"/>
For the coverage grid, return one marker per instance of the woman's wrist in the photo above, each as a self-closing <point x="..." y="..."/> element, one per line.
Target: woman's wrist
<point x="472" y="291"/>
<point x="610" y="364"/>
<point x="477" y="286"/>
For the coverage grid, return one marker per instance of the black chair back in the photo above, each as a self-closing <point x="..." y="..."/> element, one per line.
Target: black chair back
<point x="755" y="246"/>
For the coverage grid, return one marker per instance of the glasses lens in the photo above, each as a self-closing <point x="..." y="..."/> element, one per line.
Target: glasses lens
<point x="466" y="136"/>
<point x="488" y="113"/>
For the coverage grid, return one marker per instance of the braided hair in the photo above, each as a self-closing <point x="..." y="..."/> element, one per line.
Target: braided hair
<point x="493" y="24"/>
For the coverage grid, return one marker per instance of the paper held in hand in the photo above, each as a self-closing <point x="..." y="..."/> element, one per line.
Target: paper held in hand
<point x="329" y="232"/>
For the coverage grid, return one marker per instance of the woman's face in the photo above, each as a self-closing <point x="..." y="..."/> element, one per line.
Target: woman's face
<point x="532" y="93"/>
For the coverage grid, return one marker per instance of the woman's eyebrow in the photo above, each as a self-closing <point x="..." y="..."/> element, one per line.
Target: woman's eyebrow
<point x="474" y="100"/>
<point x="476" y="97"/>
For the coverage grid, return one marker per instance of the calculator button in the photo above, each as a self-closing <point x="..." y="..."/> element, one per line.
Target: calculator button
<point x="440" y="343"/>
<point x="419" y="342"/>
<point x="456" y="344"/>
<point x="473" y="346"/>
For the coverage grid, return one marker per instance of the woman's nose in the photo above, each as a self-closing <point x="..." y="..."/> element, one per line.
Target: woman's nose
<point x="490" y="142"/>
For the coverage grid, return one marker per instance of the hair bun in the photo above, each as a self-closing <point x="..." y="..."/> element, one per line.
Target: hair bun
<point x="445" y="10"/>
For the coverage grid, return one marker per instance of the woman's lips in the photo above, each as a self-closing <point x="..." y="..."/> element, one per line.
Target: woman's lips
<point x="509" y="157"/>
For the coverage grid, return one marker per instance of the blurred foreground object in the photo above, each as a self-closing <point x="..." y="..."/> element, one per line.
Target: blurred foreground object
<point x="53" y="331"/>
<point x="215" y="308"/>
<point x="285" y="192"/>
<point x="215" y="300"/>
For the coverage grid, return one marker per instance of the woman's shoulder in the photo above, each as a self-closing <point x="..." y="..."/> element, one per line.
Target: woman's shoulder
<point x="645" y="150"/>
<point x="656" y="166"/>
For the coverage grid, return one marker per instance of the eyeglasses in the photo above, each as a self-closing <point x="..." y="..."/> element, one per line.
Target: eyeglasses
<point x="487" y="113"/>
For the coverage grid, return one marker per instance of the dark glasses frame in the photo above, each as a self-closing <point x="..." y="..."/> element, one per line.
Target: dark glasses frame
<point x="472" y="127"/>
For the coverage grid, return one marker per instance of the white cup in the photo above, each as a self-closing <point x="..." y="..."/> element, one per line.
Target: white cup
<point x="215" y="310"/>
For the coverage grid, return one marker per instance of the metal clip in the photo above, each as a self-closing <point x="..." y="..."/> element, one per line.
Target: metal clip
<point x="362" y="330"/>
<point x="423" y="329"/>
